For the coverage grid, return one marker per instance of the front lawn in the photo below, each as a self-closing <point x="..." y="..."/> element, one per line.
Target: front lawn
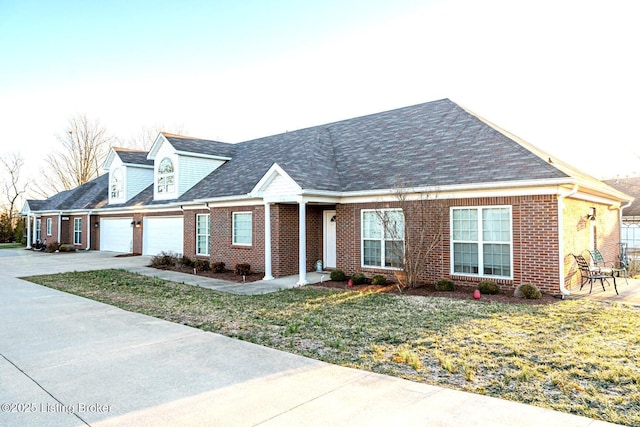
<point x="579" y="357"/>
<point x="11" y="245"/>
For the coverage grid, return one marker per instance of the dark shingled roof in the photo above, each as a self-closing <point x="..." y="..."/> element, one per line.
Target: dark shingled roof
<point x="433" y="144"/>
<point x="630" y="186"/>
<point x="90" y="195"/>
<point x="201" y="146"/>
<point x="133" y="157"/>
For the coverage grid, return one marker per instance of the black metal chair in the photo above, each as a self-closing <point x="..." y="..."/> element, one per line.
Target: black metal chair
<point x="592" y="273"/>
<point x="606" y="267"/>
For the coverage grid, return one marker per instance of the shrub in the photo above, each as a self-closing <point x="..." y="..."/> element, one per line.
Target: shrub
<point x="200" y="264"/>
<point x="444" y="285"/>
<point x="67" y="248"/>
<point x="487" y="287"/>
<point x="527" y="291"/>
<point x="218" y="267"/>
<point x="187" y="262"/>
<point x="337" y="275"/>
<point x="358" y="278"/>
<point x="52" y="247"/>
<point x="378" y="280"/>
<point x="163" y="259"/>
<point x="243" y="269"/>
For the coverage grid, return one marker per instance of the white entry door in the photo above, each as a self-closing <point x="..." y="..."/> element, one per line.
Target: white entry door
<point x="329" y="250"/>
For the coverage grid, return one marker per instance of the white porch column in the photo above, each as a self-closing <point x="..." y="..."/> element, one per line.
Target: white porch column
<point x="88" y="230"/>
<point x="35" y="228"/>
<point x="302" y="245"/>
<point x="28" y="231"/>
<point x="59" y="225"/>
<point x="267" y="242"/>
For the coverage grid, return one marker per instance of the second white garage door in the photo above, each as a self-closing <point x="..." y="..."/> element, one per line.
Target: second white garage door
<point x="116" y="234"/>
<point x="162" y="234"/>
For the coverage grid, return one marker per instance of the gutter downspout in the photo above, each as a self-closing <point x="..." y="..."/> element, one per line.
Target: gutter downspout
<point x="573" y="191"/>
<point x="88" y="231"/>
<point x="59" y="225"/>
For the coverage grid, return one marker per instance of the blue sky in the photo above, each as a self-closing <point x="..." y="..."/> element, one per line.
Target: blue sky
<point x="561" y="74"/>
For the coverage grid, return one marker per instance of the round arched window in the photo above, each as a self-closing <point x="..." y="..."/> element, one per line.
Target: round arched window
<point x="166" y="178"/>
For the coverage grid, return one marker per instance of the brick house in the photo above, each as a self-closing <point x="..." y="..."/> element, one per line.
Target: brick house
<point x="502" y="209"/>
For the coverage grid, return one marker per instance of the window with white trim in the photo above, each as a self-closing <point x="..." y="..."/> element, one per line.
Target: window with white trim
<point x="38" y="229"/>
<point x="481" y="241"/>
<point x="49" y="226"/>
<point x="382" y="238"/>
<point x="116" y="186"/>
<point x="242" y="228"/>
<point x="166" y="176"/>
<point x="77" y="231"/>
<point x="202" y="234"/>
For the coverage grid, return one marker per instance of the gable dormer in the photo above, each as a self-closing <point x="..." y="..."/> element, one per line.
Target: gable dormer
<point x="180" y="162"/>
<point x="129" y="173"/>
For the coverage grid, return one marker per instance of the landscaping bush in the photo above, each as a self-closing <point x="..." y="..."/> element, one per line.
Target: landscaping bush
<point x="243" y="269"/>
<point x="337" y="275"/>
<point x="487" y="287"/>
<point x="378" y="280"/>
<point x="200" y="264"/>
<point x="187" y="262"/>
<point x="163" y="259"/>
<point x="52" y="247"/>
<point x="527" y="291"/>
<point x="218" y="267"/>
<point x="444" y="285"/>
<point x="67" y="248"/>
<point x="358" y="278"/>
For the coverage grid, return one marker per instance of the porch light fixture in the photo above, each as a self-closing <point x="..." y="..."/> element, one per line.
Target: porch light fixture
<point x="592" y="214"/>
<point x="138" y="224"/>
<point x="333" y="218"/>
<point x="96" y="225"/>
<point x="133" y="223"/>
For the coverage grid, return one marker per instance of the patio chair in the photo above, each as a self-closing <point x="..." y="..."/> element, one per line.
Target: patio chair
<point x="606" y="267"/>
<point x="592" y="273"/>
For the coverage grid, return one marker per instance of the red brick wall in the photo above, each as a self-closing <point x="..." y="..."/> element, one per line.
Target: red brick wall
<point x="222" y="248"/>
<point x="535" y="241"/>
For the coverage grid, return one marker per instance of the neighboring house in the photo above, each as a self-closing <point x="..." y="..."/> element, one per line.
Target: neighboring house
<point x="631" y="213"/>
<point x="508" y="212"/>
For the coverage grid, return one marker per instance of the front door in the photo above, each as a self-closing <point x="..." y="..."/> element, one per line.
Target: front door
<point x="329" y="250"/>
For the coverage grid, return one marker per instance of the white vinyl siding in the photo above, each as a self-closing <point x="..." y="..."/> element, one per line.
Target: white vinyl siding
<point x="202" y="234"/>
<point x="281" y="186"/>
<point x="77" y="231"/>
<point x="242" y="228"/>
<point x="383" y="238"/>
<point x="481" y="241"/>
<point x="137" y="179"/>
<point x="191" y="170"/>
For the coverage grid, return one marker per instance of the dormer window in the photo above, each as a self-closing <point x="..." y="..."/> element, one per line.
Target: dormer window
<point x="117" y="185"/>
<point x="166" y="176"/>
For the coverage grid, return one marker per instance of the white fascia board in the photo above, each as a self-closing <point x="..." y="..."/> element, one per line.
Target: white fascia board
<point x="137" y="165"/>
<point x="160" y="139"/>
<point x="107" y="163"/>
<point x="269" y="176"/>
<point x="202" y="156"/>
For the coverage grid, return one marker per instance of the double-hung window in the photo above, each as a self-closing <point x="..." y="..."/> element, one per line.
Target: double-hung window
<point x="481" y="241"/>
<point x="77" y="231"/>
<point x="202" y="234"/>
<point x="38" y="230"/>
<point x="242" y="228"/>
<point x="49" y="226"/>
<point x="383" y="238"/>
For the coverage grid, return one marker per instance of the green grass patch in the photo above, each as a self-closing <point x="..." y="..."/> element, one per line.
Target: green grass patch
<point x="579" y="357"/>
<point x="11" y="245"/>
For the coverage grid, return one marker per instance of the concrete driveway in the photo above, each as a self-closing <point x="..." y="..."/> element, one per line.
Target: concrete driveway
<point x="66" y="360"/>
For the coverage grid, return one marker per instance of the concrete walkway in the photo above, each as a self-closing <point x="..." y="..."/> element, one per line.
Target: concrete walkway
<point x="67" y="361"/>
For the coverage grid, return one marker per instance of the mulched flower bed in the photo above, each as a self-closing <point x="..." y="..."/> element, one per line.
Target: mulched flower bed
<point x="460" y="292"/>
<point x="228" y="275"/>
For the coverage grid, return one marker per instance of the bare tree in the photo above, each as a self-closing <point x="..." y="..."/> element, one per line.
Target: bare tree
<point x="84" y="145"/>
<point x="413" y="235"/>
<point x="13" y="187"/>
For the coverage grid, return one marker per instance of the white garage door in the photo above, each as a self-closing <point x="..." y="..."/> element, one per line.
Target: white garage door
<point x="162" y="234"/>
<point x="116" y="234"/>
